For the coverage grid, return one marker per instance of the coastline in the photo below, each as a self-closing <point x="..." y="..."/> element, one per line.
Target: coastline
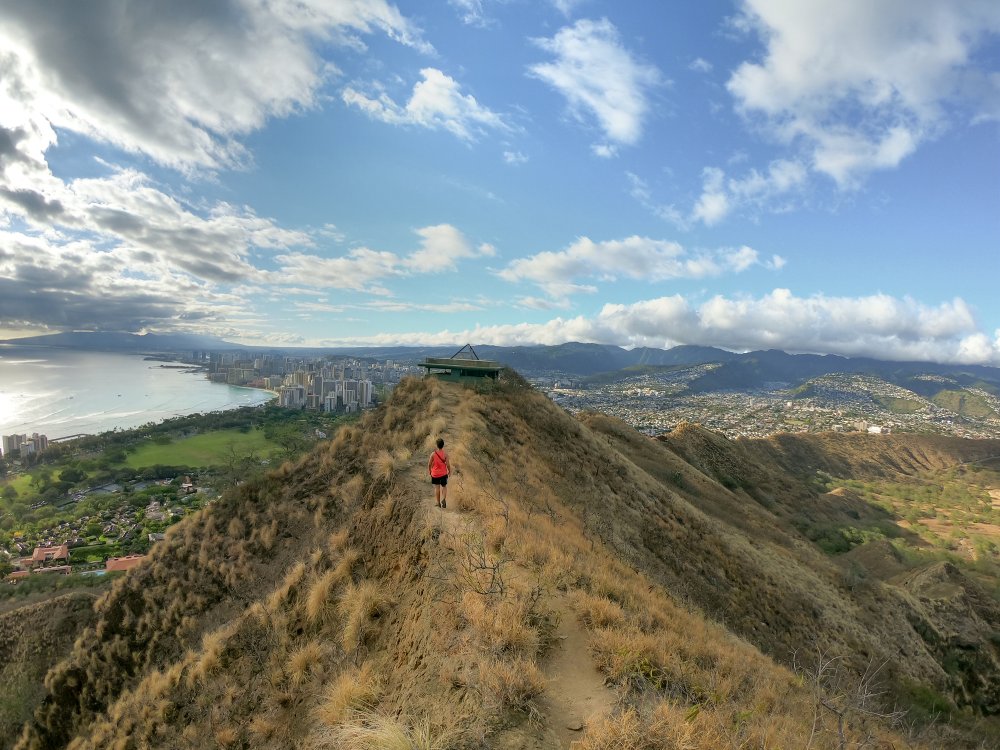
<point x="62" y="392"/>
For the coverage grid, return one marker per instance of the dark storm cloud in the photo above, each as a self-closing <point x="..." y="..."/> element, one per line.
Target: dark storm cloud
<point x="108" y="53"/>
<point x="9" y="138"/>
<point x="77" y="307"/>
<point x="33" y="203"/>
<point x="181" y="81"/>
<point x="116" y="220"/>
<point x="67" y="296"/>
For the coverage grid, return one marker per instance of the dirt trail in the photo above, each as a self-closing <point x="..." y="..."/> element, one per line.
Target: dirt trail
<point x="995" y="494"/>
<point x="575" y="695"/>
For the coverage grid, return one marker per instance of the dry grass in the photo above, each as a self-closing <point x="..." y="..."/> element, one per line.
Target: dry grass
<point x="503" y="628"/>
<point x="320" y="602"/>
<point x="305" y="661"/>
<point x="387" y="464"/>
<point x="597" y="611"/>
<point x="356" y="690"/>
<point x="359" y="606"/>
<point x="511" y="685"/>
<point x="368" y="731"/>
<point x="447" y="661"/>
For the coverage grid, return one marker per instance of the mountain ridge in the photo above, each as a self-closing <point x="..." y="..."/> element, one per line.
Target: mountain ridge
<point x="350" y="608"/>
<point x="736" y="370"/>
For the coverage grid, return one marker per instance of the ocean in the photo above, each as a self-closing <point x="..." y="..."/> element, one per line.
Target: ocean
<point x="62" y="392"/>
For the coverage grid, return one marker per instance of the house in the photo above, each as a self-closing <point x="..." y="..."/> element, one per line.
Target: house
<point x="17" y="575"/>
<point x="43" y="555"/>
<point x="123" y="563"/>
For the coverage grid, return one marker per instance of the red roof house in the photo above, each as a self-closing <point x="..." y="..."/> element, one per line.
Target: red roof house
<point x="123" y="563"/>
<point x="48" y="554"/>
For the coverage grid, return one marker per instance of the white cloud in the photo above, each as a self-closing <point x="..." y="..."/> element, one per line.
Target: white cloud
<point x="363" y="269"/>
<point x="640" y="190"/>
<point x="566" y="6"/>
<point x="471" y="11"/>
<point x="720" y="196"/>
<point x="514" y="157"/>
<point x="442" y="246"/>
<point x="859" y="85"/>
<point x="879" y="326"/>
<point x="600" y="77"/>
<point x="442" y="307"/>
<point x="177" y="82"/>
<point x="634" y="257"/>
<point x="700" y="65"/>
<point x="323" y="307"/>
<point x="436" y="103"/>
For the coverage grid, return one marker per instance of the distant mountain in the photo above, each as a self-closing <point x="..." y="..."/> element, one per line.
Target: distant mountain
<point x="117" y="341"/>
<point x="760" y="369"/>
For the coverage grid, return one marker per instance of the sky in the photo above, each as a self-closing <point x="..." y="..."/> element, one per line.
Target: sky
<point x="810" y="175"/>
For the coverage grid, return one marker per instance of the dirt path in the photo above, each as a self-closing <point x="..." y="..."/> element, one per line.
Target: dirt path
<point x="995" y="494"/>
<point x="575" y="695"/>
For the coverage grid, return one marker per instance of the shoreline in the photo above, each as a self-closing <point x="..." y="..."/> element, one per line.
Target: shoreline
<point x="49" y="407"/>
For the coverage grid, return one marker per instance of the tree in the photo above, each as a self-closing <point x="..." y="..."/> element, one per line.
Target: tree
<point x="852" y="701"/>
<point x="71" y="475"/>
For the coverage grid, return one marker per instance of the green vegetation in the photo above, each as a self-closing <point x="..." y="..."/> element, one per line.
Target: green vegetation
<point x="209" y="449"/>
<point x="33" y="586"/>
<point x="898" y="405"/>
<point x="963" y="402"/>
<point x="944" y="515"/>
<point x="95" y="490"/>
<point x="603" y="378"/>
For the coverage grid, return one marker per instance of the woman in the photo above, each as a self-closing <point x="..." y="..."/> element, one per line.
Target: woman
<point x="439" y="468"/>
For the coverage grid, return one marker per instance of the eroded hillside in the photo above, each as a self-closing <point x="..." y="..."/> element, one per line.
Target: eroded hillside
<point x="584" y="583"/>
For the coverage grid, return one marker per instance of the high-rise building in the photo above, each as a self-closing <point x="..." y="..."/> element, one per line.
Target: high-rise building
<point x="365" y="393"/>
<point x="13" y="443"/>
<point x="292" y="396"/>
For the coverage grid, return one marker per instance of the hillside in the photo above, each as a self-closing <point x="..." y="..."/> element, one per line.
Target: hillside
<point x="584" y="583"/>
<point x="32" y="639"/>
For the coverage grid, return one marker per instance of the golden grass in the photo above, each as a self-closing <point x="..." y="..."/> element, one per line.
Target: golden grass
<point x="304" y="661"/>
<point x="510" y="685"/>
<point x="289" y="584"/>
<point x="359" y="604"/>
<point x="319" y="603"/>
<point x="357" y="689"/>
<point x="597" y="611"/>
<point x="503" y="627"/>
<point x="434" y="653"/>
<point x="368" y="731"/>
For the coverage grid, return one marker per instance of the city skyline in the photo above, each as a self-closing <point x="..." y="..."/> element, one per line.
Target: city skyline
<point x="815" y="177"/>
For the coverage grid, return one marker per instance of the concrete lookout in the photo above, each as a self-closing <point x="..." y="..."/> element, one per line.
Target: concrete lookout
<point x="463" y="366"/>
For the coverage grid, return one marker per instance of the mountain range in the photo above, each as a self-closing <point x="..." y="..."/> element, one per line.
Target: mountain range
<point x="735" y="371"/>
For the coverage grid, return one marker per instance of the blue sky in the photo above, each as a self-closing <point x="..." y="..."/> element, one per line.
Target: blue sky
<point x="815" y="176"/>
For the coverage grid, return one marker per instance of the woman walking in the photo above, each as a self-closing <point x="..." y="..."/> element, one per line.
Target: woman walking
<point x="439" y="468"/>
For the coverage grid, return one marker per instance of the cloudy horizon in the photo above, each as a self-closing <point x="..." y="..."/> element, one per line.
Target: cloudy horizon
<point x="329" y="172"/>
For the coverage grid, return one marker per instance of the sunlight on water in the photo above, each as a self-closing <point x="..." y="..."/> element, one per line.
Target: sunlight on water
<point x="61" y="392"/>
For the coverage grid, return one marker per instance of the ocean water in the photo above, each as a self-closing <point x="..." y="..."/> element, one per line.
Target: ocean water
<point x="62" y="392"/>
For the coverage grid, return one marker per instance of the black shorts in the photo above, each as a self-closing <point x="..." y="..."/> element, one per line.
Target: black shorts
<point x="443" y="481"/>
